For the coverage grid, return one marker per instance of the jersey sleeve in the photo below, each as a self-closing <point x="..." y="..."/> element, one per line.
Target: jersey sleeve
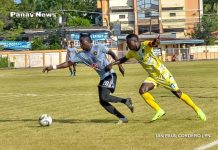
<point x="146" y="43"/>
<point x="129" y="54"/>
<point x="148" y="48"/>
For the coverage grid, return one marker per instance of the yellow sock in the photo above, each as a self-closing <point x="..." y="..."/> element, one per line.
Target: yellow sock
<point x="150" y="100"/>
<point x="188" y="101"/>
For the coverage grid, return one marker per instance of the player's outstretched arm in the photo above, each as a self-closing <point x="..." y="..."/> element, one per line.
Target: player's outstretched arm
<point x="155" y="42"/>
<point x="60" y="66"/>
<point x="116" y="62"/>
<point x="121" y="69"/>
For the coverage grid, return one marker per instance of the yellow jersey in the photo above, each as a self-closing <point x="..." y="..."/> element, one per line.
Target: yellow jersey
<point x="149" y="61"/>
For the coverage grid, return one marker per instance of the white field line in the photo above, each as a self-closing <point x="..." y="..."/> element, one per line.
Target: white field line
<point x="206" y="146"/>
<point x="50" y="95"/>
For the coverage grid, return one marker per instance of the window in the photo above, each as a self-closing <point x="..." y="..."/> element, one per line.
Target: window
<point x="174" y="30"/>
<point x="122" y="10"/>
<point x="122" y="16"/>
<point x="172" y="8"/>
<point x="172" y="14"/>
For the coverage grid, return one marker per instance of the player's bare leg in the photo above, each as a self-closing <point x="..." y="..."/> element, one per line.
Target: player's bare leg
<point x="71" y="70"/>
<point x="74" y="69"/>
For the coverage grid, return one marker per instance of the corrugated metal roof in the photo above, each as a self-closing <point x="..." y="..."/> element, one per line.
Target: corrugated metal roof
<point x="188" y="41"/>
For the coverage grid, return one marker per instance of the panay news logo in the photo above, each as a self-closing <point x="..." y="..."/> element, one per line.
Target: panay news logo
<point x="32" y="14"/>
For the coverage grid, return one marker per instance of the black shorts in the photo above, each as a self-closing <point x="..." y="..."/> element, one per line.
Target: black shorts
<point x="109" y="82"/>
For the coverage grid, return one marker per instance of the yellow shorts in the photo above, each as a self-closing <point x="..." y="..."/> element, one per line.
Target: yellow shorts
<point x="166" y="80"/>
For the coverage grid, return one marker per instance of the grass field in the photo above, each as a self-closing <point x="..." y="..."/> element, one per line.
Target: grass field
<point x="80" y="123"/>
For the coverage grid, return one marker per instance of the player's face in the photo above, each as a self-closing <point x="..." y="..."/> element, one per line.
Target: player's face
<point x="85" y="44"/>
<point x="133" y="44"/>
<point x="71" y="44"/>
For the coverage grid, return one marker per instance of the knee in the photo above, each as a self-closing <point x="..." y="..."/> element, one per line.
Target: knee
<point x="178" y="94"/>
<point x="103" y="103"/>
<point x="143" y="90"/>
<point x="103" y="98"/>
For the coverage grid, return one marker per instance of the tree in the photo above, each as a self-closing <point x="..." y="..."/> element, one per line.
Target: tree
<point x="38" y="44"/>
<point x="70" y="10"/>
<point x="210" y="6"/>
<point x="5" y="8"/>
<point x="78" y="21"/>
<point x="13" y="33"/>
<point x="204" y="29"/>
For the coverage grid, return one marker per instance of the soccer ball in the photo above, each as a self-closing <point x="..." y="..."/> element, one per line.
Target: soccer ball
<point x="45" y="120"/>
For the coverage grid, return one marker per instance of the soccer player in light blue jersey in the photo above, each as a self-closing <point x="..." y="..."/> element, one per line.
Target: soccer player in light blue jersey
<point x="94" y="56"/>
<point x="71" y="51"/>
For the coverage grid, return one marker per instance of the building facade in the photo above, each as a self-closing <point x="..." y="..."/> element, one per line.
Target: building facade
<point x="152" y="16"/>
<point x="118" y="13"/>
<point x="180" y="17"/>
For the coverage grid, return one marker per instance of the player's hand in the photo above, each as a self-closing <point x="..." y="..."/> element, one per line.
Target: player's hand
<point x="108" y="67"/>
<point x="47" y="69"/>
<point x="156" y="42"/>
<point x="95" y="66"/>
<point x="122" y="70"/>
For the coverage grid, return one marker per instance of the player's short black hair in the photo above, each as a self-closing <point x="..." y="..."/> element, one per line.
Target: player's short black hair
<point x="132" y="36"/>
<point x="85" y="36"/>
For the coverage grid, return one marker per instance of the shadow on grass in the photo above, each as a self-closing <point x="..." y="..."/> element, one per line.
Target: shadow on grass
<point x="17" y="120"/>
<point x="62" y="120"/>
<point x="191" y="96"/>
<point x="98" y="121"/>
<point x="85" y="121"/>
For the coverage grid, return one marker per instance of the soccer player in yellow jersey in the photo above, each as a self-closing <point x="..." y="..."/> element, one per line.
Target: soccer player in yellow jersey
<point x="158" y="74"/>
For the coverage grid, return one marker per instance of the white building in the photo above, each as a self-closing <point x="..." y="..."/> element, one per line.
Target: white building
<point x="121" y="12"/>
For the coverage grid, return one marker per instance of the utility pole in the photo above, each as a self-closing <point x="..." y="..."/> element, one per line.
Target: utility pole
<point x="160" y="18"/>
<point x="150" y="28"/>
<point x="136" y="30"/>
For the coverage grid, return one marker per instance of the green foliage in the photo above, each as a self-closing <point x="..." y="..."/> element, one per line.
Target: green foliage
<point x="11" y="27"/>
<point x="12" y="34"/>
<point x="37" y="44"/>
<point x="78" y="21"/>
<point x="5" y="7"/>
<point x="56" y="6"/>
<point x="3" y="62"/>
<point x="210" y="6"/>
<point x="1" y="47"/>
<point x="1" y="25"/>
<point x="54" y="42"/>
<point x="203" y="31"/>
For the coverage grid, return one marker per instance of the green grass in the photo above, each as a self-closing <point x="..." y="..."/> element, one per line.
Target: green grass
<point x="80" y="123"/>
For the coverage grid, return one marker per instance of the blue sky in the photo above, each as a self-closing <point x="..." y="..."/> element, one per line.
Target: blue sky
<point x="17" y="1"/>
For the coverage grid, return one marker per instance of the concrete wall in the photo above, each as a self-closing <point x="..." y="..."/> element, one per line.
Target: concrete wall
<point x="31" y="59"/>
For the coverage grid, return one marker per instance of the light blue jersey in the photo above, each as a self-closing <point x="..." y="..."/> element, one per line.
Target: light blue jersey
<point x="95" y="57"/>
<point x="71" y="52"/>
